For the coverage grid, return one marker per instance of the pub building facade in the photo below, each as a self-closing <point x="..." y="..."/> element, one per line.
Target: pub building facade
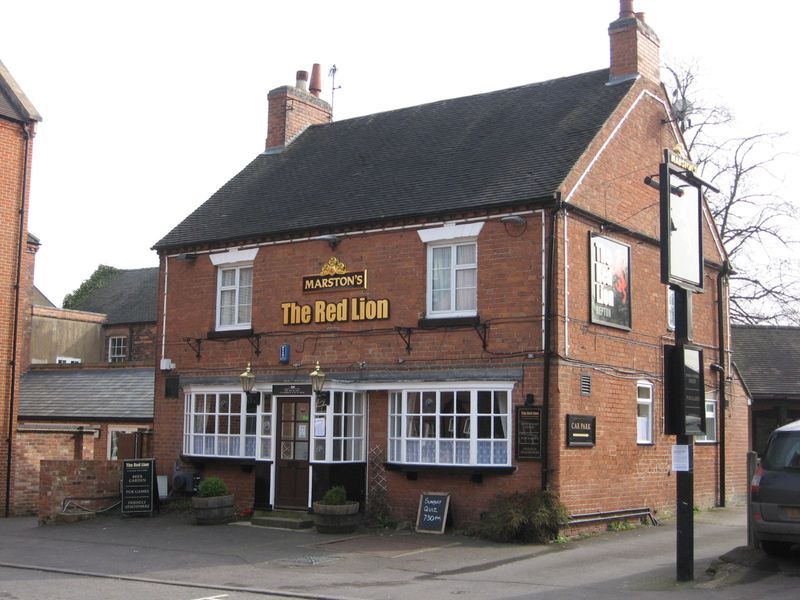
<point x="477" y="279"/>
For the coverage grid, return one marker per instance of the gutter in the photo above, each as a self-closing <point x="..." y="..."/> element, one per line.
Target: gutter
<point x="15" y="335"/>
<point x="548" y="352"/>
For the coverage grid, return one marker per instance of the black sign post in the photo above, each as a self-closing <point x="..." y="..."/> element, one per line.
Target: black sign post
<point x="138" y="486"/>
<point x="681" y="227"/>
<point x="432" y="513"/>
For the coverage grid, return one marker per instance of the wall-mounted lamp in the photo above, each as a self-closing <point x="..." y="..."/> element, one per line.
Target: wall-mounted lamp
<point x="248" y="380"/>
<point x="317" y="377"/>
<point x="515" y="219"/>
<point x="332" y="240"/>
<point x="529" y="400"/>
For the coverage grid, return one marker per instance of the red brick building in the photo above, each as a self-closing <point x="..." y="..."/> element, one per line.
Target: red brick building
<point x="18" y="120"/>
<point x="479" y="278"/>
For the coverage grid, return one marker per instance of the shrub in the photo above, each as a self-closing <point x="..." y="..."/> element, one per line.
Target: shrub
<point x="335" y="495"/>
<point x="212" y="486"/>
<point x="534" y="516"/>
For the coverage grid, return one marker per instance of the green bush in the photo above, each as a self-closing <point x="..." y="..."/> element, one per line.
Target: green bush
<point x="335" y="495"/>
<point x="534" y="516"/>
<point x="212" y="486"/>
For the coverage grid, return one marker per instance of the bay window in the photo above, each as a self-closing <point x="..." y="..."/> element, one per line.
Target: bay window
<point x="450" y="427"/>
<point x="223" y="424"/>
<point x="339" y="428"/>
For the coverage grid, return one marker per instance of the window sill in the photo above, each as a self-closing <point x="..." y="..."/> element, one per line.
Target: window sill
<point x="435" y="322"/>
<point x="706" y="442"/>
<point x="200" y="460"/>
<point x="468" y="469"/>
<point x="229" y="333"/>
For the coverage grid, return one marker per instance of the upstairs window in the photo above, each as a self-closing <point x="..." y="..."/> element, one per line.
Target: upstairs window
<point x="234" y="297"/>
<point x="234" y="288"/>
<point x="117" y="348"/>
<point x="452" y="274"/>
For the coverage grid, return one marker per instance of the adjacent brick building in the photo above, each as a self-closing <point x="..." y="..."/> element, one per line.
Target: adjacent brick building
<point x="480" y="280"/>
<point x="18" y="119"/>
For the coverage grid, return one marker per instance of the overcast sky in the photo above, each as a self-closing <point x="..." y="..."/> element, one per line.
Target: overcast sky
<point x="150" y="106"/>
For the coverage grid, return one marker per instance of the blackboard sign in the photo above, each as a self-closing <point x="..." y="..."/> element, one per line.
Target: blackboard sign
<point x="529" y="433"/>
<point x="138" y="479"/>
<point x="432" y="513"/>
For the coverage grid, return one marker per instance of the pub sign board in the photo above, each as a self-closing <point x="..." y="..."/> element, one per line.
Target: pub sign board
<point x="138" y="486"/>
<point x="581" y="430"/>
<point x="529" y="433"/>
<point x="610" y="282"/>
<point x="432" y="512"/>
<point x="684" y="390"/>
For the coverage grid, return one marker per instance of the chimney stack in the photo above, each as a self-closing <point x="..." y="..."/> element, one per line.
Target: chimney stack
<point x="302" y="81"/>
<point x="316" y="80"/>
<point x="293" y="108"/>
<point x="634" y="47"/>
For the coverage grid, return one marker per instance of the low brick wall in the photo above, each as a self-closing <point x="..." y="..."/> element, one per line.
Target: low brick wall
<point x="93" y="484"/>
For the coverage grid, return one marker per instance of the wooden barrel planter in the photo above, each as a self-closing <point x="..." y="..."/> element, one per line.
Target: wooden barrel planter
<point x="336" y="518"/>
<point x="214" y="510"/>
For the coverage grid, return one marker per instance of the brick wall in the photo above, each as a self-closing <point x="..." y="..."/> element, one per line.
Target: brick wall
<point x="95" y="482"/>
<point x="12" y="158"/>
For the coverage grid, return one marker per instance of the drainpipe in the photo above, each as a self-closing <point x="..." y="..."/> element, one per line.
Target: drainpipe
<point x="15" y="335"/>
<point x="720" y="371"/>
<point x="548" y="317"/>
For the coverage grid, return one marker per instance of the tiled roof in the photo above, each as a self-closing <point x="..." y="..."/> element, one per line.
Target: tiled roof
<point x="119" y="393"/>
<point x="127" y="297"/>
<point x="14" y="104"/>
<point x="485" y="151"/>
<point x="768" y="358"/>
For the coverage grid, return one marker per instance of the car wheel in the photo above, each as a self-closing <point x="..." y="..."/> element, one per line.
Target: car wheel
<point x="776" y="548"/>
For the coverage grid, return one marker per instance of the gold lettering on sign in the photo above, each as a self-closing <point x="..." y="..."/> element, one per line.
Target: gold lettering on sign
<point x="346" y="309"/>
<point x="334" y="276"/>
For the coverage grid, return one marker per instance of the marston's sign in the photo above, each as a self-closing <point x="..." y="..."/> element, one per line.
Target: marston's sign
<point x="334" y="276"/>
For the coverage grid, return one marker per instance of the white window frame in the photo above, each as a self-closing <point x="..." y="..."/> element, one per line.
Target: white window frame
<point x="450" y="236"/>
<point x="236" y="288"/>
<point x="254" y="438"/>
<point x="114" y="355"/>
<point x="237" y="259"/>
<point x="110" y="447"/>
<point x="644" y="429"/>
<point x="339" y="430"/>
<point x="453" y="437"/>
<point x="710" y="436"/>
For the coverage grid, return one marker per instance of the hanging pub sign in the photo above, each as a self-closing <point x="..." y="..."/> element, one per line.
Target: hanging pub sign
<point x="529" y="433"/>
<point x="334" y="276"/>
<point x="581" y="430"/>
<point x="610" y="282"/>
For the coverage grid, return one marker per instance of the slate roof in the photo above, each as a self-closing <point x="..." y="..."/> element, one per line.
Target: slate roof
<point x="485" y="151"/>
<point x="128" y="297"/>
<point x="768" y="358"/>
<point x="14" y="104"/>
<point x="121" y="393"/>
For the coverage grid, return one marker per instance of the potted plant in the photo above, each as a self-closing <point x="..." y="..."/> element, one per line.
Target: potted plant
<point x="335" y="513"/>
<point x="213" y="504"/>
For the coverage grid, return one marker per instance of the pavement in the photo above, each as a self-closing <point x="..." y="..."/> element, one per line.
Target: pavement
<point x="168" y="548"/>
